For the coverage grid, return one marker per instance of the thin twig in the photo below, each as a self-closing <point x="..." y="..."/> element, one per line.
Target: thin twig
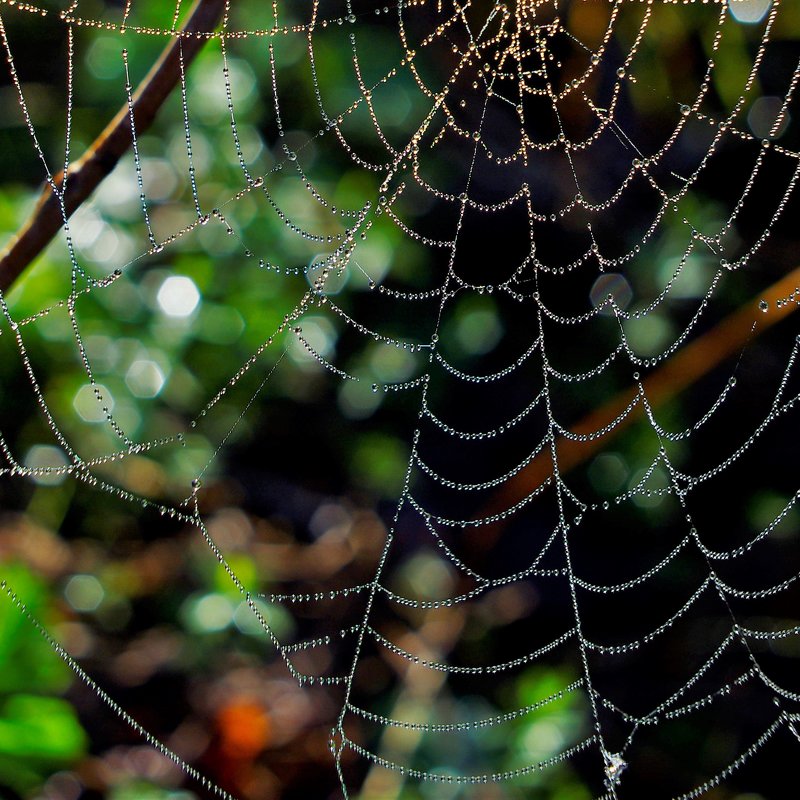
<point x="85" y="175"/>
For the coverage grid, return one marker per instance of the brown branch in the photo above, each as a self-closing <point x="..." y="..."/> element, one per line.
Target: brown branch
<point x="681" y="371"/>
<point x="85" y="175"/>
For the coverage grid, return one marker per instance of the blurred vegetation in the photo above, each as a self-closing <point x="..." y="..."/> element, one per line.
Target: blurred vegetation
<point x="305" y="482"/>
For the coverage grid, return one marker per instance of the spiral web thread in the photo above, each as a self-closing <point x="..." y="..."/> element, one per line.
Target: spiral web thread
<point x="495" y="67"/>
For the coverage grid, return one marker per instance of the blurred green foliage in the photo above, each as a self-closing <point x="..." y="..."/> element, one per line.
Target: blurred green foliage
<point x="39" y="731"/>
<point x="157" y="368"/>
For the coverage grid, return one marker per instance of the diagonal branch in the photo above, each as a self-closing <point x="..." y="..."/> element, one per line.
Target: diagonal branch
<point x="101" y="158"/>
<point x="686" y="367"/>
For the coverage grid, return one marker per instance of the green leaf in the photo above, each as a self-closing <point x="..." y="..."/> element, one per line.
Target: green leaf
<point x="40" y="728"/>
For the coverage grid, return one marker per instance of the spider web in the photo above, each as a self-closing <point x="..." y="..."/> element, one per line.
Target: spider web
<point x="521" y="325"/>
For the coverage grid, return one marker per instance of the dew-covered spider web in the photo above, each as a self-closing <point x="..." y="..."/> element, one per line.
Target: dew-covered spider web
<point x="551" y="248"/>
